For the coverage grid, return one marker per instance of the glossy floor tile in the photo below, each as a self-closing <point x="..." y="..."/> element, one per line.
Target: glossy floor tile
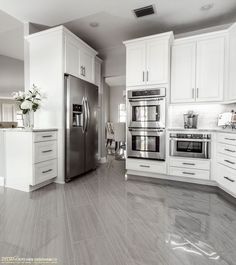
<point x="101" y="219"/>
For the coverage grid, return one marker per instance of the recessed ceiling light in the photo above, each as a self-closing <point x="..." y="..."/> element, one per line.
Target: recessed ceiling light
<point x="94" y="24"/>
<point x="207" y="7"/>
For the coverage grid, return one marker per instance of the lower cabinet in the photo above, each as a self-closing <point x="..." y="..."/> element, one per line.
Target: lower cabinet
<point x="31" y="158"/>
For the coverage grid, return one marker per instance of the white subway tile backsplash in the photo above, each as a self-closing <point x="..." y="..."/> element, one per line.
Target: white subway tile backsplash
<point x="208" y="114"/>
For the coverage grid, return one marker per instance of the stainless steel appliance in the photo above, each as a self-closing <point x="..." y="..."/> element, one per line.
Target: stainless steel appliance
<point x="146" y="143"/>
<point x="146" y="108"/>
<point x="81" y="126"/>
<point x="190" y="145"/>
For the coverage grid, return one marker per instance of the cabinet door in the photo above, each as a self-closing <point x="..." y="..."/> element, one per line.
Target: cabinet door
<point x="210" y="69"/>
<point x="183" y="72"/>
<point x="72" y="64"/>
<point x="8" y="113"/>
<point x="157" y="52"/>
<point x="87" y="65"/>
<point x="231" y="95"/>
<point x="136" y="64"/>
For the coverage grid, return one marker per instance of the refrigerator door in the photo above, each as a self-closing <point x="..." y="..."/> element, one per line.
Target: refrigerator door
<point x="75" y="133"/>
<point x="91" y="141"/>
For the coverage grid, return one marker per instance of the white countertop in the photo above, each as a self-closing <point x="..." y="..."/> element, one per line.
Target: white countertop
<point x="227" y="130"/>
<point x="28" y="129"/>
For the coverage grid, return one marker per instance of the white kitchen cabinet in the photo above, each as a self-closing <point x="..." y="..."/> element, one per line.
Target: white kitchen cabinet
<point x="210" y="69"/>
<point x="34" y="163"/>
<point x="79" y="58"/>
<point x="136" y="64"/>
<point x="87" y="65"/>
<point x="231" y="90"/>
<point x="72" y="60"/>
<point x="183" y="70"/>
<point x="198" y="68"/>
<point x="148" y="60"/>
<point x="8" y="112"/>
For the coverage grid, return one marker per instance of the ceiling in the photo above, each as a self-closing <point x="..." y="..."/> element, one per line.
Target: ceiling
<point x="115" y="18"/>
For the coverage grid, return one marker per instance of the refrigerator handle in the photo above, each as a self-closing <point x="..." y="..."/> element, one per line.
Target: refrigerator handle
<point x="84" y="115"/>
<point x="88" y="114"/>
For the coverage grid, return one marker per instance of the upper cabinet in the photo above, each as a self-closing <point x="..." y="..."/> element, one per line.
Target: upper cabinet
<point x="148" y="60"/>
<point x="79" y="58"/>
<point x="198" y="68"/>
<point x="231" y="90"/>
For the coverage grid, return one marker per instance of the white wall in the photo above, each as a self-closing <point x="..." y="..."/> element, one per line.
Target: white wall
<point x="208" y="114"/>
<point x="116" y="98"/>
<point x="11" y="75"/>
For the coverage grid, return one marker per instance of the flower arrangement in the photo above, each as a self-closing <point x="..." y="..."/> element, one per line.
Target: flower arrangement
<point x="28" y="101"/>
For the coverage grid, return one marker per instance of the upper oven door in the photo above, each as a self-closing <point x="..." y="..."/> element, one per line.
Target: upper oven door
<point x="190" y="148"/>
<point x="147" y="113"/>
<point x="149" y="143"/>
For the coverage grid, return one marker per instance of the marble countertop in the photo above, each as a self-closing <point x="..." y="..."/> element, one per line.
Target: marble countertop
<point x="28" y="129"/>
<point x="203" y="130"/>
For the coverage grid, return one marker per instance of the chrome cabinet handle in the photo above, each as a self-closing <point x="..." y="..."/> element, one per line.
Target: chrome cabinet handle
<point x="84" y="71"/>
<point x="230" y="139"/>
<point x="231" y="151"/>
<point x="229" y="179"/>
<point x="47" y="136"/>
<point x="47" y="171"/>
<point x="145" y="166"/>
<point x="230" y="162"/>
<point x="188" y="173"/>
<point x="189" y="164"/>
<point x="81" y="70"/>
<point x="197" y="92"/>
<point x="147" y="76"/>
<point x="193" y="90"/>
<point x="143" y="76"/>
<point x="47" y="151"/>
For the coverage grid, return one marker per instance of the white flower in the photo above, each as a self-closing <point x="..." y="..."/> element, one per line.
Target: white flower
<point x="26" y="105"/>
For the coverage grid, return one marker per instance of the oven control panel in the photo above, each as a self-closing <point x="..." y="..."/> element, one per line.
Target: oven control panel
<point x="190" y="136"/>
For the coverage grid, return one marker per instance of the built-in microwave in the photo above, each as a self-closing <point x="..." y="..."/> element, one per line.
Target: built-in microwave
<point x="146" y="108"/>
<point x="190" y="145"/>
<point x="146" y="143"/>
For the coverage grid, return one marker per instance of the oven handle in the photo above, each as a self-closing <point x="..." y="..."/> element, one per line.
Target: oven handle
<point x="190" y="140"/>
<point x="145" y="99"/>
<point x="146" y="130"/>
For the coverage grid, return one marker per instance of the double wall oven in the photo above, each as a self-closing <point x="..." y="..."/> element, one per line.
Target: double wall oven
<point x="146" y="124"/>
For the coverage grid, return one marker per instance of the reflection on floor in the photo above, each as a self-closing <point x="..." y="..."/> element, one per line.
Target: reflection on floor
<point x="100" y="219"/>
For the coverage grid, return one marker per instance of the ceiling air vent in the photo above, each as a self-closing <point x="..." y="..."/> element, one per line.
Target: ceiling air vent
<point x="144" y="11"/>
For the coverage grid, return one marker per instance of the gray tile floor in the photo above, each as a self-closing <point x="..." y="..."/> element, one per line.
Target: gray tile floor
<point x="100" y="219"/>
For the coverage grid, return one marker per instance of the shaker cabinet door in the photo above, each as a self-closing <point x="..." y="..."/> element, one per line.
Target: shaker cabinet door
<point x="157" y="62"/>
<point x="87" y="65"/>
<point x="136" y="64"/>
<point x="183" y="72"/>
<point x="210" y="69"/>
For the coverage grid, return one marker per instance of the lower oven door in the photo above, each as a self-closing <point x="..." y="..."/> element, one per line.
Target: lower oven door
<point x="190" y="148"/>
<point x="146" y="143"/>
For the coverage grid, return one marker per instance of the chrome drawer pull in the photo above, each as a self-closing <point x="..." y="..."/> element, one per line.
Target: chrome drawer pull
<point x="188" y="173"/>
<point x="230" y="162"/>
<point x="46" y="171"/>
<point x="47" y="136"/>
<point x="230" y="139"/>
<point x="228" y="150"/>
<point x="47" y="151"/>
<point x="189" y="164"/>
<point x="229" y="179"/>
<point x="144" y="166"/>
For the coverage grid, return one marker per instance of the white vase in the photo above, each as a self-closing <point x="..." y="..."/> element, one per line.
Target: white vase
<point x="28" y="120"/>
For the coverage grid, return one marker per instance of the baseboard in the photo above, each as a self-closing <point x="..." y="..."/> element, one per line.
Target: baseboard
<point x="2" y="182"/>
<point x="103" y="160"/>
<point x="59" y="182"/>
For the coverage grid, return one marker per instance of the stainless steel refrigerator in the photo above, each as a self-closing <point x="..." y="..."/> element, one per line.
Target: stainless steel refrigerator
<point x="81" y="126"/>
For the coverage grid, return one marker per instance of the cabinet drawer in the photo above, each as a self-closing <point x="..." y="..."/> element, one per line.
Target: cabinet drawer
<point x="44" y="171"/>
<point x="189" y="173"/>
<point x="146" y="166"/>
<point x="190" y="163"/>
<point x="44" y="151"/>
<point x="226" y="149"/>
<point x="227" y="138"/>
<point x="226" y="178"/>
<point x="45" y="136"/>
<point x="226" y="160"/>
